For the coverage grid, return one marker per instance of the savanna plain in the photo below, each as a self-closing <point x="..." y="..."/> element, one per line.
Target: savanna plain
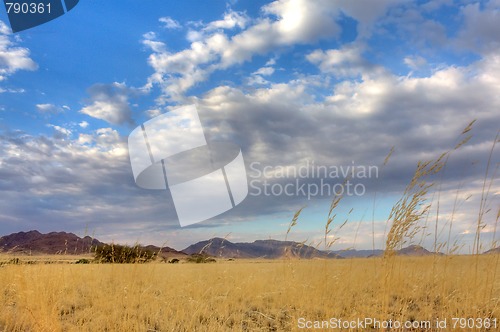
<point x="256" y="295"/>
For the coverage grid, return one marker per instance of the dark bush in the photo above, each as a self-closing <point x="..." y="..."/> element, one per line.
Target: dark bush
<point x="122" y="254"/>
<point x="14" y="261"/>
<point x="82" y="261"/>
<point x="200" y="258"/>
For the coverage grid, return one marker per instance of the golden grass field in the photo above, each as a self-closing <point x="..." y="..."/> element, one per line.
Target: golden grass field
<point x="244" y="295"/>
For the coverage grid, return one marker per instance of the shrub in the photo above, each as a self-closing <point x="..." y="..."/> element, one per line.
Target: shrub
<point x="122" y="254"/>
<point x="14" y="261"/>
<point x="200" y="258"/>
<point x="82" y="261"/>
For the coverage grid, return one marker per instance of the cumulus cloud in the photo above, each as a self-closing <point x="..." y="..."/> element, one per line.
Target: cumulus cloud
<point x="285" y="22"/>
<point x="74" y="182"/>
<point x="282" y="124"/>
<point x="302" y="21"/>
<point x="285" y="122"/>
<point x="12" y="57"/>
<point x="344" y="62"/>
<point x="264" y="71"/>
<point x="109" y="102"/>
<point x="257" y="77"/>
<point x="231" y="20"/>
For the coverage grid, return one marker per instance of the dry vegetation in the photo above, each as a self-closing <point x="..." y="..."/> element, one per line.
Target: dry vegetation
<point x="245" y="295"/>
<point x="270" y="295"/>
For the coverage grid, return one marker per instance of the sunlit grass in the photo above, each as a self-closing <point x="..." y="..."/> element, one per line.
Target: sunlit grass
<point x="244" y="295"/>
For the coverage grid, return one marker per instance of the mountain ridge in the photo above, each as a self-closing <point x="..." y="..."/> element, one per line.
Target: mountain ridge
<point x="268" y="249"/>
<point x="34" y="242"/>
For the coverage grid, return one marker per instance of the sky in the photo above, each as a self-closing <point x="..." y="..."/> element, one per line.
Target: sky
<point x="298" y="85"/>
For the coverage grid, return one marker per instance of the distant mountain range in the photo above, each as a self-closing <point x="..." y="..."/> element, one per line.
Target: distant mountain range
<point x="34" y="242"/>
<point x="353" y="253"/>
<point x="270" y="249"/>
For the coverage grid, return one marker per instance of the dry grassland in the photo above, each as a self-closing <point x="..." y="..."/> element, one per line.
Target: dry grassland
<point x="246" y="295"/>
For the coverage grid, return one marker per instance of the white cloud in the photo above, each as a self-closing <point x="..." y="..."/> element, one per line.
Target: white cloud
<point x="271" y="62"/>
<point x="169" y="23"/>
<point x="2" y="90"/>
<point x="60" y="132"/>
<point x="264" y="71"/>
<point x="12" y="57"/>
<point x="257" y="77"/>
<point x="49" y="109"/>
<point x="4" y="29"/>
<point x="231" y="20"/>
<point x="455" y="93"/>
<point x="344" y="62"/>
<point x="178" y="72"/>
<point x="110" y="103"/>
<point x="150" y="40"/>
<point x="153" y="112"/>
<point x="195" y="36"/>
<point x="257" y="80"/>
<point x="108" y="138"/>
<point x="83" y="124"/>
<point x="287" y="121"/>
<point x="285" y="23"/>
<point x="303" y="21"/>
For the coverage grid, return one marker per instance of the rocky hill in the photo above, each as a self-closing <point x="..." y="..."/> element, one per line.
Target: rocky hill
<point x="416" y="250"/>
<point x="34" y="242"/>
<point x="269" y="249"/>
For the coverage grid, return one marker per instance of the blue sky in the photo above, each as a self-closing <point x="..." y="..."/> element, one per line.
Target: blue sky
<point x="290" y="81"/>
